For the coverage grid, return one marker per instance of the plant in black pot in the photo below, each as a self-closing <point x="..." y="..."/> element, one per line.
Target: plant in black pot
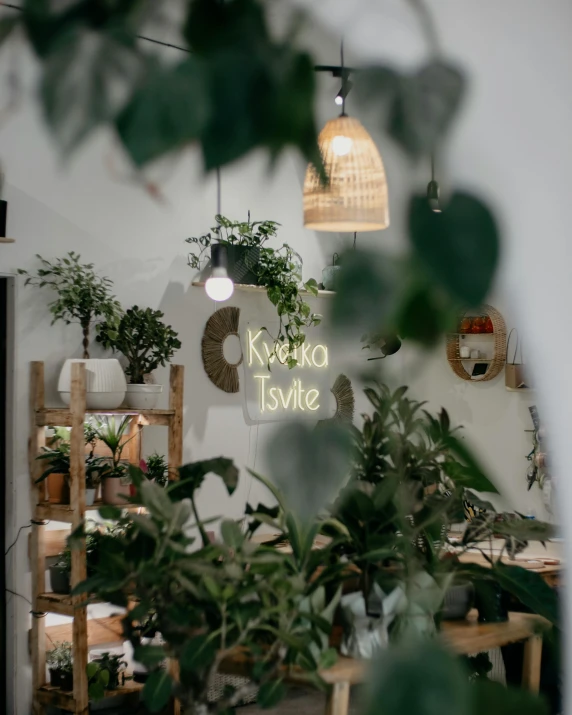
<point x="156" y="468"/>
<point x="242" y="241"/>
<point x="105" y="672"/>
<point x="60" y="573"/>
<point x="60" y="664"/>
<point x="278" y="270"/>
<point x="147" y="342"/>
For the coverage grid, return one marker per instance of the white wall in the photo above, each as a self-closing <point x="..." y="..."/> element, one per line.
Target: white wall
<point x="139" y="243"/>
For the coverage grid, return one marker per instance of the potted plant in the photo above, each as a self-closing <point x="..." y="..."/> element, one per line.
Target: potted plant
<point x="156" y="469"/>
<point x="242" y="241"/>
<point x="83" y="297"/>
<point x="278" y="270"/>
<point x="60" y="664"/>
<point x="57" y="470"/>
<point x="205" y="599"/>
<point x="146" y="342"/>
<point x="116" y="483"/>
<point x="60" y="573"/>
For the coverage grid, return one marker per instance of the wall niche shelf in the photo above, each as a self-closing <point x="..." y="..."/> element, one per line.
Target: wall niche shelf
<point x="495" y="340"/>
<point x="82" y="632"/>
<point x="261" y="289"/>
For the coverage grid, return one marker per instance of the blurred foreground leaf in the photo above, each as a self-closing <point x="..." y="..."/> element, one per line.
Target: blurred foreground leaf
<point x="530" y="588"/>
<point x="308" y="465"/>
<point x="459" y="247"/>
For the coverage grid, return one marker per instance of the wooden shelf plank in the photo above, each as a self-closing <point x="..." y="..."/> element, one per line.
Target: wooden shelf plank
<point x="61" y="603"/>
<point x="100" y="631"/>
<point x="61" y="416"/>
<point x="261" y="289"/>
<point x="49" y="695"/>
<point x="66" y="513"/>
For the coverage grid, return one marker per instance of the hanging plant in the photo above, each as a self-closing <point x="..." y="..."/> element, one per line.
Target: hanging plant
<point x="277" y="270"/>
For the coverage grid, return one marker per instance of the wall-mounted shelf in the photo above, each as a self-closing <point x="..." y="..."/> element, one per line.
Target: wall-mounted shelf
<point x="261" y="289"/>
<point x="496" y="350"/>
<point x="519" y="389"/>
<point x="7" y="240"/>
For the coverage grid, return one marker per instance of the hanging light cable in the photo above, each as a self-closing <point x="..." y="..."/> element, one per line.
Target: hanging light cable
<point x="355" y="197"/>
<point x="219" y="286"/>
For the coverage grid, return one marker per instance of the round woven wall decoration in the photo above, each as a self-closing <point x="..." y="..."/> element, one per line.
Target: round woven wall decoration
<point x="220" y="325"/>
<point x="345" y="400"/>
<point x="498" y="359"/>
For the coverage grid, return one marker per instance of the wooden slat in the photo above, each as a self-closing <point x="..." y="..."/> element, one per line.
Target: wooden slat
<point x="175" y="453"/>
<point x="37" y="553"/>
<point x="61" y="417"/>
<point x="100" y="631"/>
<point x="49" y="695"/>
<point x="78" y="555"/>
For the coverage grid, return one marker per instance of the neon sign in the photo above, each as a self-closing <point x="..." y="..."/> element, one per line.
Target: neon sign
<point x="279" y="392"/>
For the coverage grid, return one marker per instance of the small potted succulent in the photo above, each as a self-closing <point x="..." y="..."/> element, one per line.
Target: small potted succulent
<point x="60" y="665"/>
<point x="84" y="297"/>
<point x="156" y="469"/>
<point x="146" y="342"/>
<point x="60" y="573"/>
<point x="116" y="484"/>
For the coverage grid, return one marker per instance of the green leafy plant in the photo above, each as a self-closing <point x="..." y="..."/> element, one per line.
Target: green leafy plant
<point x="142" y="337"/>
<point x="60" y="657"/>
<point x="106" y="672"/>
<point x="112" y="432"/>
<point x="279" y="271"/>
<point x="253" y="234"/>
<point x="56" y="459"/>
<point x="82" y="295"/>
<point x="157" y="469"/>
<point x="207" y="599"/>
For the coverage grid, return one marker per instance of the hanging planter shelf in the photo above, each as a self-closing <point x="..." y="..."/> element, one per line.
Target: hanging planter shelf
<point x="495" y="360"/>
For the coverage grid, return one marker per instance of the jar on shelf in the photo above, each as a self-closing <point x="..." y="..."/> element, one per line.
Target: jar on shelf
<point x="478" y="325"/>
<point x="465" y="325"/>
<point x="489" y="325"/>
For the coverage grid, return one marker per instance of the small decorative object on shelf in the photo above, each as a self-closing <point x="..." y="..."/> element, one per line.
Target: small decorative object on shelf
<point x="474" y="363"/>
<point x="220" y="325"/>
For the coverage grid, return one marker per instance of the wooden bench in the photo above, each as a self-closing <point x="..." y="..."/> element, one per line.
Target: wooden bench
<point x="466" y="637"/>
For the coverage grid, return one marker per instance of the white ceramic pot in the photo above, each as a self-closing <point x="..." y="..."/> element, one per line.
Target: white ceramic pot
<point x="105" y="383"/>
<point x="143" y="397"/>
<point x="89" y="496"/>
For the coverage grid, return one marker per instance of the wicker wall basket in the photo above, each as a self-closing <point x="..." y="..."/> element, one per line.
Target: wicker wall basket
<point x="355" y="199"/>
<point x="498" y="359"/>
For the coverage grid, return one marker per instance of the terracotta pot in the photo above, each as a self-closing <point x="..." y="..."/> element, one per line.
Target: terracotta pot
<point x="58" y="489"/>
<point x="114" y="490"/>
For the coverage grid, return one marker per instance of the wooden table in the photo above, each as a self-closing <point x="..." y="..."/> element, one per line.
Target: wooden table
<point x="466" y="637"/>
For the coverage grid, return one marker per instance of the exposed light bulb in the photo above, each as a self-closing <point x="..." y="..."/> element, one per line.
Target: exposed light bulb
<point x="339" y="100"/>
<point x="219" y="287"/>
<point x="341" y="145"/>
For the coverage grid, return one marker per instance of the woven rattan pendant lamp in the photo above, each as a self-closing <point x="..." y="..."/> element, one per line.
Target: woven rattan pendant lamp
<point x="355" y="199"/>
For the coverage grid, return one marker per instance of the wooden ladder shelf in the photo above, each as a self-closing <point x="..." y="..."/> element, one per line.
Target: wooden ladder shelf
<point x="83" y="632"/>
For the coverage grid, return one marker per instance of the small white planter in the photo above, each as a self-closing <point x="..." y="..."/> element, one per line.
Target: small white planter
<point x="89" y="496"/>
<point x="142" y="397"/>
<point x="105" y="383"/>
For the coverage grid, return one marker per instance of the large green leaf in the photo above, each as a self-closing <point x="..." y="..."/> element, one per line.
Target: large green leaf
<point x="157" y="690"/>
<point x="168" y="111"/>
<point x="193" y="474"/>
<point x="417" y="680"/>
<point x="473" y="475"/>
<point x="424" y="105"/>
<point x="308" y="465"/>
<point x="459" y="246"/>
<point x="491" y="698"/>
<point x="150" y="655"/>
<point x="198" y="652"/>
<point x="530" y="588"/>
<point x="526" y="529"/>
<point x="271" y="693"/>
<point x="88" y="79"/>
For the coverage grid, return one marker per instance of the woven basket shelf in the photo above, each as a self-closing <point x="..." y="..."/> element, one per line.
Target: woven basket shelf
<point x="495" y="362"/>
